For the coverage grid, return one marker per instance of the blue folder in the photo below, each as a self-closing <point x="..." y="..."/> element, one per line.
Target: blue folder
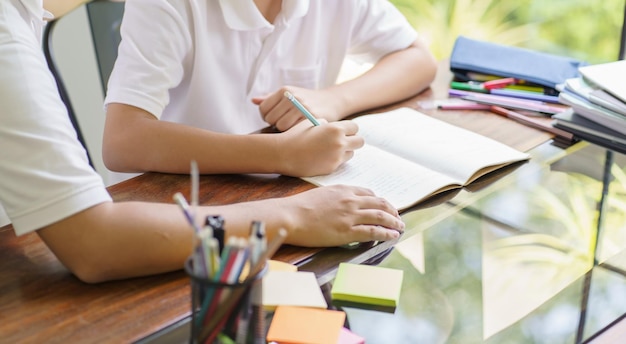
<point x="469" y="55"/>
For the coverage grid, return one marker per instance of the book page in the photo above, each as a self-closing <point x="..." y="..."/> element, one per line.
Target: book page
<point x="399" y="181"/>
<point x="436" y="145"/>
<point x="409" y="156"/>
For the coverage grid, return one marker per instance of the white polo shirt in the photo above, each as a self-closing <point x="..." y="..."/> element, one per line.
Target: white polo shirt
<point x="200" y="62"/>
<point x="44" y="172"/>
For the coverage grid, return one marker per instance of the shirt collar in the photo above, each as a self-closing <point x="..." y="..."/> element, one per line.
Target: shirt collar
<point x="242" y="15"/>
<point x="36" y="10"/>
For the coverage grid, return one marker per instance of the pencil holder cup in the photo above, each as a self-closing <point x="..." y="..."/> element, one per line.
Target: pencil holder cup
<point x="225" y="313"/>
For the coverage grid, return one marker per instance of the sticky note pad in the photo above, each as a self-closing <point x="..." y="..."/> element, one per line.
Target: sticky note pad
<point x="291" y="288"/>
<point x="348" y="337"/>
<point x="367" y="284"/>
<point x="299" y="325"/>
<point x="276" y="265"/>
<point x="273" y="265"/>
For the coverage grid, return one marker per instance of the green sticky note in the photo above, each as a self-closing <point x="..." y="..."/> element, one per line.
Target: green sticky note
<point x="367" y="284"/>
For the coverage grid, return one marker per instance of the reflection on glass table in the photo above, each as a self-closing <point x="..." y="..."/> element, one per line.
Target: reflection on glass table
<point x="537" y="257"/>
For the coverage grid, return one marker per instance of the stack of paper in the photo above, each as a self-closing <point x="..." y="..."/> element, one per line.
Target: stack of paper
<point x="590" y="131"/>
<point x="608" y="76"/>
<point x="595" y="95"/>
<point x="598" y="100"/>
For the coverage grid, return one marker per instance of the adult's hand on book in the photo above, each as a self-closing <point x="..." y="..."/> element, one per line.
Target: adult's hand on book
<point x="306" y="151"/>
<point x="338" y="215"/>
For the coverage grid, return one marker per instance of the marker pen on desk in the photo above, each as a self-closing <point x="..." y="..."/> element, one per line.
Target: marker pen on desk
<point x="524" y="104"/>
<point x="465" y="86"/>
<point x="258" y="241"/>
<point x="498" y="83"/>
<point x="536" y="89"/>
<point x="257" y="236"/>
<point x="525" y="95"/>
<point x="203" y="255"/>
<point x="217" y="223"/>
<point x="251" y="306"/>
<point x="519" y="104"/>
<point x="463" y="106"/>
<point x="302" y="109"/>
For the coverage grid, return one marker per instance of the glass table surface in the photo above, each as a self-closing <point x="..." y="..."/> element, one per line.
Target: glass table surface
<point x="536" y="257"/>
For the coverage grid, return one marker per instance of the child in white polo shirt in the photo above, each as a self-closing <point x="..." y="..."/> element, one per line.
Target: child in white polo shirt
<point x="194" y="78"/>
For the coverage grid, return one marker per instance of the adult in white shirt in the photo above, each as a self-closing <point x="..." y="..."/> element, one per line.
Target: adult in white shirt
<point x="194" y="78"/>
<point x="47" y="185"/>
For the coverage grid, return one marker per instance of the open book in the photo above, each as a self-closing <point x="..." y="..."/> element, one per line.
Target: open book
<point x="410" y="156"/>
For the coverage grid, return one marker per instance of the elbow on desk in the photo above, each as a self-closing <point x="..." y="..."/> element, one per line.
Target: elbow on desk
<point x="426" y="65"/>
<point x="118" y="156"/>
<point x="87" y="267"/>
<point x="125" y="141"/>
<point x="94" y="255"/>
<point x="90" y="272"/>
<point x="431" y="69"/>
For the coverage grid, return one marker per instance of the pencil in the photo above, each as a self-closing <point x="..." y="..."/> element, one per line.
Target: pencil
<point x="184" y="206"/>
<point x="518" y="117"/>
<point x="194" y="185"/>
<point x="463" y="106"/>
<point x="302" y="109"/>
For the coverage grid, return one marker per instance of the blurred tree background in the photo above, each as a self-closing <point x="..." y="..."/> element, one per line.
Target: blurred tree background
<point x="588" y="30"/>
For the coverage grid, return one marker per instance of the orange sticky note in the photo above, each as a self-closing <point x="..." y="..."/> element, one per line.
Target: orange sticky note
<point x="299" y="325"/>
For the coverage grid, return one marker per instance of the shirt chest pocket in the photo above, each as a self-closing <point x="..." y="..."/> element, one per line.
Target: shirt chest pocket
<point x="302" y="76"/>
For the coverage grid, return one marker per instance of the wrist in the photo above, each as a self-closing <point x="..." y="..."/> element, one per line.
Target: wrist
<point x="344" y="104"/>
<point x="278" y="148"/>
<point x="285" y="218"/>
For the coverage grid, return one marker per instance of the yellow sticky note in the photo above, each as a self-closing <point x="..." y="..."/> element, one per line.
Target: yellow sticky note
<point x="272" y="265"/>
<point x="367" y="284"/>
<point x="292" y="288"/>
<point x="277" y="265"/>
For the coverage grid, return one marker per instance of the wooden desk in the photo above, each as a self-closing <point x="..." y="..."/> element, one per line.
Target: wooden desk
<point x="40" y="301"/>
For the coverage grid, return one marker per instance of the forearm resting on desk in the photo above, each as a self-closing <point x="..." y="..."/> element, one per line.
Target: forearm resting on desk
<point x="120" y="240"/>
<point x="395" y="77"/>
<point x="136" y="141"/>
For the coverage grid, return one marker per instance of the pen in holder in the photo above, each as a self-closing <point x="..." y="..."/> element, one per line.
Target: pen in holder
<point x="223" y="312"/>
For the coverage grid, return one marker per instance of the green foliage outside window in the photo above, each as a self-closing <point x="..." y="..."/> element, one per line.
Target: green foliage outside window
<point x="588" y="30"/>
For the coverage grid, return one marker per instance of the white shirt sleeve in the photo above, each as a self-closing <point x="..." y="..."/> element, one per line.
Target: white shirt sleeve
<point x="156" y="45"/>
<point x="378" y="29"/>
<point x="44" y="175"/>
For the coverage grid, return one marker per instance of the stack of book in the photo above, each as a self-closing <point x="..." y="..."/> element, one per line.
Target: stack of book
<point x="598" y="105"/>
